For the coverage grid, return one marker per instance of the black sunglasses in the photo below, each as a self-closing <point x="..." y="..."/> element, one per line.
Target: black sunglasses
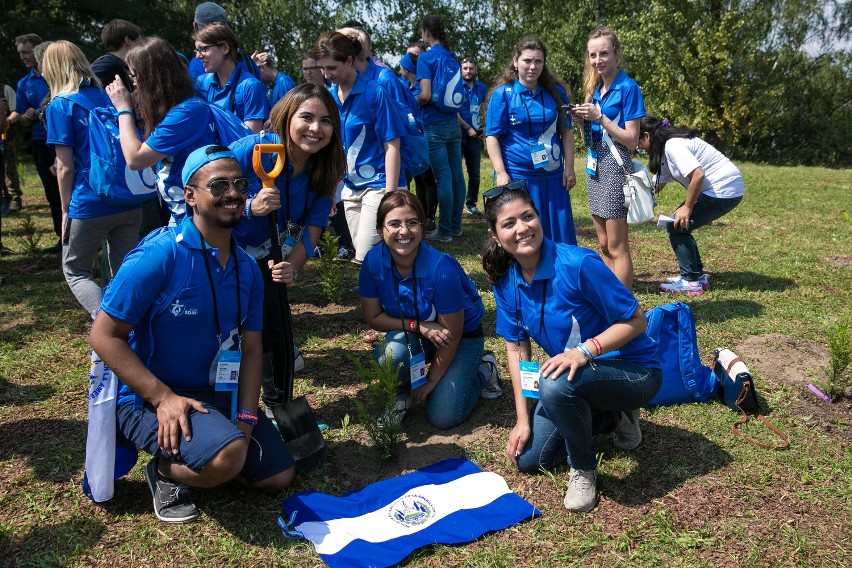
<point x="219" y="187"/>
<point x="498" y="190"/>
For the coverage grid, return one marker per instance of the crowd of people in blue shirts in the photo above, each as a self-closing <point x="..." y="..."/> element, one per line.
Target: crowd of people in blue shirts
<point x="200" y="248"/>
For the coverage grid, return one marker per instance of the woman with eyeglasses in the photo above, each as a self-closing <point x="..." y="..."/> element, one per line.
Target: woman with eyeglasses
<point x="371" y="131"/>
<point x="86" y="219"/>
<point x="311" y="72"/>
<point x="529" y="138"/>
<point x="225" y="83"/>
<point x="431" y="314"/>
<point x="612" y="109"/>
<point x="306" y="122"/>
<point x="173" y="120"/>
<point x="598" y="366"/>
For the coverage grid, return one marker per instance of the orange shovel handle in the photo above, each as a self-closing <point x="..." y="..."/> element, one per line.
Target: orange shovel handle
<point x="268" y="178"/>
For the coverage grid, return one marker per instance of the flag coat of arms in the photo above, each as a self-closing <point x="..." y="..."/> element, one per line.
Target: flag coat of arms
<point x="449" y="502"/>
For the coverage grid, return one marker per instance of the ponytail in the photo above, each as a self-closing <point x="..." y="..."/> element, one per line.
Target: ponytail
<point x="496" y="262"/>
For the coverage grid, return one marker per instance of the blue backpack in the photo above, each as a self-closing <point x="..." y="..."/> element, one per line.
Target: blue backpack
<point x="109" y="175"/>
<point x="447" y="86"/>
<point x="414" y="146"/>
<point x="229" y="128"/>
<point x="685" y="379"/>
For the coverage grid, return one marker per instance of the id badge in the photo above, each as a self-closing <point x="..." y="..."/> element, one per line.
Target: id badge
<point x="474" y="116"/>
<point x="287" y="245"/>
<point x="591" y="162"/>
<point x="540" y="157"/>
<point x="417" y="370"/>
<point x="228" y="370"/>
<point x="530" y="375"/>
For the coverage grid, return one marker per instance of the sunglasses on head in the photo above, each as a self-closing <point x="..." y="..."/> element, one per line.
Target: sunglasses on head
<point x="498" y="190"/>
<point x="219" y="187"/>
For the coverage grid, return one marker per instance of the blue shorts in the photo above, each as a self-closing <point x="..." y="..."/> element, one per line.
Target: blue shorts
<point x="211" y="432"/>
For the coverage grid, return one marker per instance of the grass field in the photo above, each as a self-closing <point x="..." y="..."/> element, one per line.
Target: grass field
<point x="691" y="495"/>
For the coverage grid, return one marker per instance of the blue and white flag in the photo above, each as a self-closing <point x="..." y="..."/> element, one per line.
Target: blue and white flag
<point x="445" y="503"/>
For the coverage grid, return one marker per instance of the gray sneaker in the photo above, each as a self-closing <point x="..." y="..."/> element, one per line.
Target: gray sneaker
<point x="488" y="368"/>
<point x="172" y="503"/>
<point x="627" y="434"/>
<point x="436" y="236"/>
<point x="582" y="490"/>
<point x="473" y="211"/>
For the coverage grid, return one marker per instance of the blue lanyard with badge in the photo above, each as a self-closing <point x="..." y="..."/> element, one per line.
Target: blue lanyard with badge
<point x="417" y="363"/>
<point x="227" y="362"/>
<point x="530" y="371"/>
<point x="474" y="108"/>
<point x="538" y="152"/>
<point x="294" y="230"/>
<point x="591" y="153"/>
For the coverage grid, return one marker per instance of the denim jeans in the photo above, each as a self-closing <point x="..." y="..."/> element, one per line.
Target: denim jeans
<point x="445" y="157"/>
<point x="455" y="395"/>
<point x="472" y="153"/>
<point x="705" y="210"/>
<point x="570" y="414"/>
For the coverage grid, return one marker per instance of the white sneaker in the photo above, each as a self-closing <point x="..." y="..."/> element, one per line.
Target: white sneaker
<point x="681" y="286"/>
<point x="582" y="490"/>
<point x="627" y="435"/>
<point x="488" y="368"/>
<point x="704" y="280"/>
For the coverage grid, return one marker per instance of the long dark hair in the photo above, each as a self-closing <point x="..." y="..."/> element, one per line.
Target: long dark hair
<point x="161" y="79"/>
<point x="495" y="260"/>
<point x="546" y="79"/>
<point x="327" y="165"/>
<point x="661" y="133"/>
<point x="435" y="26"/>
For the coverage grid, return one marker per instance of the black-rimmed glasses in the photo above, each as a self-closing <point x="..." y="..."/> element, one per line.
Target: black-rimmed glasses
<point x="219" y="187"/>
<point x="410" y="224"/>
<point x="203" y="49"/>
<point x="498" y="190"/>
<point x="311" y="68"/>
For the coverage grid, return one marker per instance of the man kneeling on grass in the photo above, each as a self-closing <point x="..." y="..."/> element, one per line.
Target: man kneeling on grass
<point x="190" y="302"/>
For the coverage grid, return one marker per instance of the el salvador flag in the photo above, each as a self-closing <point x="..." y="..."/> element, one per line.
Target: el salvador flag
<point x="450" y="502"/>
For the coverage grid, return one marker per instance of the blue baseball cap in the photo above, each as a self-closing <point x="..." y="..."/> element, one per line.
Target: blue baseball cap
<point x="203" y="156"/>
<point x="406" y="63"/>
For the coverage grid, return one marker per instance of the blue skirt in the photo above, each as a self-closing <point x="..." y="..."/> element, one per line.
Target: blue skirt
<point x="554" y="206"/>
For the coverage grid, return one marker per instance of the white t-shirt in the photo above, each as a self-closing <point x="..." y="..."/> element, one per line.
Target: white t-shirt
<point x="682" y="155"/>
<point x="9" y="95"/>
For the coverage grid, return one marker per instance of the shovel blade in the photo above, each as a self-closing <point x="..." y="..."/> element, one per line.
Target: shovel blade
<point x="298" y="428"/>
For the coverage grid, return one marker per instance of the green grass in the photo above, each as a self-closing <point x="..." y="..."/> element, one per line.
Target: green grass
<point x="692" y="495"/>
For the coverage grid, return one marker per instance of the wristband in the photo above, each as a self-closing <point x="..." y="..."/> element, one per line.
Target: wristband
<point x="248" y="207"/>
<point x="597" y="345"/>
<point x="586" y="353"/>
<point x="247" y="417"/>
<point x="125" y="111"/>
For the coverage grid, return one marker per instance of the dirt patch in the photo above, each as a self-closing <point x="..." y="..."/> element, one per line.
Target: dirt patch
<point x="779" y="359"/>
<point x="839" y="261"/>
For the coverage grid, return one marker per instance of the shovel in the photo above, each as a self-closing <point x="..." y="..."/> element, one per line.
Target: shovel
<point x="294" y="417"/>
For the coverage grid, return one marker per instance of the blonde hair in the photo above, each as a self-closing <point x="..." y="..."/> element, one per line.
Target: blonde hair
<point x="65" y="68"/>
<point x="591" y="78"/>
<point x="362" y="38"/>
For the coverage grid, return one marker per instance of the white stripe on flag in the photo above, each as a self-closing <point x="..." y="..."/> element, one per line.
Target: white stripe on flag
<point x="468" y="492"/>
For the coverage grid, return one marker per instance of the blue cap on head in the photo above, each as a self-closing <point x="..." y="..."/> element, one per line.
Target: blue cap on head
<point x="203" y="156"/>
<point x="406" y="63"/>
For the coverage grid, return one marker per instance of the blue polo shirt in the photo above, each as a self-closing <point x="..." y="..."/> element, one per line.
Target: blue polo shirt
<point x="68" y="125"/>
<point x="282" y="84"/>
<point x="162" y="290"/>
<point x="520" y="119"/>
<point x="582" y="298"/>
<point x="474" y="98"/>
<point x="187" y="126"/>
<point x="31" y="91"/>
<point x="442" y="286"/>
<point x="368" y="120"/>
<point x="429" y="64"/>
<point x="306" y="207"/>
<point x="243" y="94"/>
<point x="623" y="101"/>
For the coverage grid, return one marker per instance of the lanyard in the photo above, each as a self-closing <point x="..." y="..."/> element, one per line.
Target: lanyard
<point x="529" y="116"/>
<point x="213" y="292"/>
<point x="399" y="304"/>
<point x="541" y="331"/>
<point x="289" y="220"/>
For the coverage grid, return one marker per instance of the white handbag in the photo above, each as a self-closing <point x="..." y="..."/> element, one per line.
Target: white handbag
<point x="638" y="195"/>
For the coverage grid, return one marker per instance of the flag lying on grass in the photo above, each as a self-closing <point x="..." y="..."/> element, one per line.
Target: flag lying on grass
<point x="445" y="503"/>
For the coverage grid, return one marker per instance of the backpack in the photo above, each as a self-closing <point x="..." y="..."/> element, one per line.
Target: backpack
<point x="414" y="147"/>
<point x="685" y="379"/>
<point x="447" y="86"/>
<point x="109" y="175"/>
<point x="229" y="128"/>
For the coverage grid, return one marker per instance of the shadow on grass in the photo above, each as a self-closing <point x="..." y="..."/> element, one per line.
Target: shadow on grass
<point x="50" y="545"/>
<point x="668" y="458"/>
<point x="53" y="448"/>
<point x="750" y="281"/>
<point x="18" y="395"/>
<point x="710" y="310"/>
